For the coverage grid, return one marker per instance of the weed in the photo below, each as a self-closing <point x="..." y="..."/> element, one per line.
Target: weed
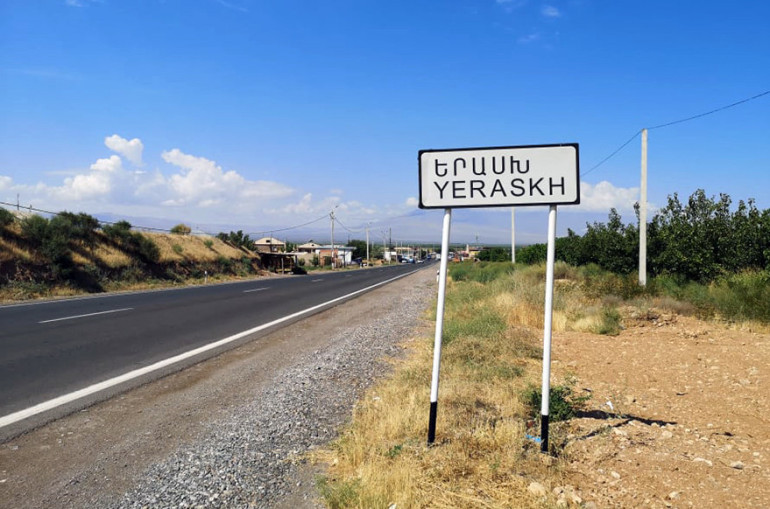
<point x="339" y="494"/>
<point x="177" y="249"/>
<point x="610" y="324"/>
<point x="394" y="451"/>
<point x="564" y="404"/>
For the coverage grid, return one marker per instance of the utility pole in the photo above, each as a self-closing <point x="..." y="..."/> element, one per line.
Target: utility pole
<point x="643" y="215"/>
<point x="513" y="235"/>
<point x="331" y="215"/>
<point x="367" y="244"/>
<point x="390" y="241"/>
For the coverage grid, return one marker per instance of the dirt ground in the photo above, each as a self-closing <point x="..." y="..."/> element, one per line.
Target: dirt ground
<point x="678" y="415"/>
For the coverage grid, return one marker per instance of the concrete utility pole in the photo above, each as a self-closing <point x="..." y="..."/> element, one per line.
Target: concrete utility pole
<point x="513" y="235"/>
<point x="643" y="215"/>
<point x="367" y="243"/>
<point x="331" y="215"/>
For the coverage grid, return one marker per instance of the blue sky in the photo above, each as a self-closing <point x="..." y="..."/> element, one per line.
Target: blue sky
<point x="263" y="114"/>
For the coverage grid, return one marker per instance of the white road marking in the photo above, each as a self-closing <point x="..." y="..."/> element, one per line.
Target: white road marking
<point x="316" y="280"/>
<point x="84" y="316"/>
<point x="255" y="290"/>
<point x="112" y="382"/>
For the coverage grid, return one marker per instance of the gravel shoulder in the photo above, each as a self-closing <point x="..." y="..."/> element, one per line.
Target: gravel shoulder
<point x="228" y="432"/>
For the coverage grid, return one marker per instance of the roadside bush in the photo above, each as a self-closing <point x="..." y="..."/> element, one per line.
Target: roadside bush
<point x="181" y="229"/>
<point x="208" y="243"/>
<point x="481" y="272"/>
<point x="117" y="231"/>
<point x="82" y="227"/>
<point x="146" y="248"/>
<point x="34" y="229"/>
<point x="177" y="249"/>
<point x="6" y="217"/>
<point x="564" y="403"/>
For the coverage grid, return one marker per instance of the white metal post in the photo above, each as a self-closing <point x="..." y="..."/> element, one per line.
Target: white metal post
<point x="332" y="250"/>
<point x="547" y="324"/>
<point x="643" y="215"/>
<point x="439" y="325"/>
<point x="513" y="235"/>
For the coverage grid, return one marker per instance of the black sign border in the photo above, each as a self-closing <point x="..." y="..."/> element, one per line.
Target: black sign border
<point x="419" y="175"/>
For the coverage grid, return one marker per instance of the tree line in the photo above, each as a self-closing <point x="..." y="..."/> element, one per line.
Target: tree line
<point x="698" y="240"/>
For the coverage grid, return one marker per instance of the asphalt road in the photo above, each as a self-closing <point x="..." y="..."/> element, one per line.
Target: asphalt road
<point x="52" y="348"/>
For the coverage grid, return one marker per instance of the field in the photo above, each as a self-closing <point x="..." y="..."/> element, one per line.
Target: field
<point x="667" y="409"/>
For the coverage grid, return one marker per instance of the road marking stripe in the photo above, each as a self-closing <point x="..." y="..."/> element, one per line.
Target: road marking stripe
<point x="84" y="316"/>
<point x="112" y="382"/>
<point x="255" y="290"/>
<point x="316" y="280"/>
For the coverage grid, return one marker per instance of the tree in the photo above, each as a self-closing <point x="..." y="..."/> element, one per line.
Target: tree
<point x="359" y="246"/>
<point x="494" y="254"/>
<point x="181" y="229"/>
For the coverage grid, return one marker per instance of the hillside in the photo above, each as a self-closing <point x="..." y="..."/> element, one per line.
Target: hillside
<point x="37" y="263"/>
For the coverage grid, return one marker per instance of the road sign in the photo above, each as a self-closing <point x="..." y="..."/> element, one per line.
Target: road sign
<point x="500" y="176"/>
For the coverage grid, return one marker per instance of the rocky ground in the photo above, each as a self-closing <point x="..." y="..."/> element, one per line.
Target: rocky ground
<point x="678" y="415"/>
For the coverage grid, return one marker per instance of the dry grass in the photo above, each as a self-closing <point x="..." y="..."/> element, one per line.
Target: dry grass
<point x="481" y="457"/>
<point x="192" y="247"/>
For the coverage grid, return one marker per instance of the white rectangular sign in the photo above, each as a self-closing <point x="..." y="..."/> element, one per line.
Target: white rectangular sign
<point x="500" y="176"/>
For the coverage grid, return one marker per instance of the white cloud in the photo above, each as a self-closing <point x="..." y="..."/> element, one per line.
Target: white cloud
<point x="604" y="196"/>
<point x="5" y="182"/>
<point x="411" y="202"/>
<point x="549" y="11"/>
<point x="202" y="182"/>
<point x="131" y="150"/>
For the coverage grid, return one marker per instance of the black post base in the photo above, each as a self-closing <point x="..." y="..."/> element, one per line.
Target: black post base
<point x="432" y="422"/>
<point x="543" y="433"/>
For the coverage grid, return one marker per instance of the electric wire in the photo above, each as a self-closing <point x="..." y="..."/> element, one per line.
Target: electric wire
<point x="680" y="121"/>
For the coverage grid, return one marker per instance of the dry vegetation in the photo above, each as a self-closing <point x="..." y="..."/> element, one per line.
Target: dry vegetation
<point x="491" y="368"/>
<point x="109" y="265"/>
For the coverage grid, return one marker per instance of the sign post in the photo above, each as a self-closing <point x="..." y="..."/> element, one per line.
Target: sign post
<point x="498" y="177"/>
<point x="439" y="325"/>
<point x="547" y="325"/>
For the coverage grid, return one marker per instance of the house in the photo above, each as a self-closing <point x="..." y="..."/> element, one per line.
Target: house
<point x="309" y="247"/>
<point x="269" y="245"/>
<point x="343" y="254"/>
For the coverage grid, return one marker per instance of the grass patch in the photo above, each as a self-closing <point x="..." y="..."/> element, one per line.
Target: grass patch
<point x="610" y="323"/>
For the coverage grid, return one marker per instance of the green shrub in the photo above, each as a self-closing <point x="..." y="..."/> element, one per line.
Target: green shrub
<point x="611" y="322"/>
<point x="743" y="296"/>
<point x="181" y="229"/>
<point x="146" y="248"/>
<point x="34" y="229"/>
<point x="208" y="243"/>
<point x="177" y="249"/>
<point x="117" y="231"/>
<point x="6" y="217"/>
<point x="481" y="272"/>
<point x="564" y="403"/>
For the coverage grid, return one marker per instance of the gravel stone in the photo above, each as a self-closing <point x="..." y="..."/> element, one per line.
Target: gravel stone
<point x="253" y="456"/>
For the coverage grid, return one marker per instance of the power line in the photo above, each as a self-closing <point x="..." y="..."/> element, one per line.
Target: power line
<point x="273" y="230"/>
<point x="681" y="120"/>
<point x="709" y="112"/>
<point x="615" y="152"/>
<point x="345" y="227"/>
